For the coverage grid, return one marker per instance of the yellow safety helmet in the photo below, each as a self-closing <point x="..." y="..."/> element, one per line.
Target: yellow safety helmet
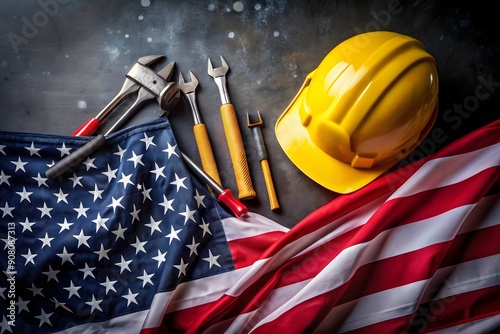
<point x="367" y="105"/>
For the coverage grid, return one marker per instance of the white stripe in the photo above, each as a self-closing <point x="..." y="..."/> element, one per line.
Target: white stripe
<point x="445" y="171"/>
<point x="250" y="226"/>
<point x="484" y="325"/>
<point x="394" y="303"/>
<point x="387" y="244"/>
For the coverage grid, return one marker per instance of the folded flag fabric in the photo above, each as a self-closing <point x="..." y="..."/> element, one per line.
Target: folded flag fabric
<point x="130" y="242"/>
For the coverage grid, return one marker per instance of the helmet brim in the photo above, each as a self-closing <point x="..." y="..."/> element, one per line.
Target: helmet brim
<point x="331" y="173"/>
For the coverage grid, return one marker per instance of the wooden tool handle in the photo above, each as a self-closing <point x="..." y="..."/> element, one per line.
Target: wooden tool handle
<point x="271" y="192"/>
<point x="237" y="152"/>
<point x="206" y="153"/>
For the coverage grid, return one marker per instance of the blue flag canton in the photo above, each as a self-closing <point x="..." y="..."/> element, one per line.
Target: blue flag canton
<point x="102" y="240"/>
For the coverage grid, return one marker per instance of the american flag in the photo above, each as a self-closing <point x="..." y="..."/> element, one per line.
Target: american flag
<point x="129" y="242"/>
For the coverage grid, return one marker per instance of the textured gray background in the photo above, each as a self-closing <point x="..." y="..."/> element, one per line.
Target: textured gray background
<point x="71" y="61"/>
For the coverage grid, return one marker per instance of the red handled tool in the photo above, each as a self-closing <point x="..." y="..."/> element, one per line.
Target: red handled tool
<point x="224" y="196"/>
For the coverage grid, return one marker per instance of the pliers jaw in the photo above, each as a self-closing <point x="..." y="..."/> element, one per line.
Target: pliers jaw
<point x="147" y="83"/>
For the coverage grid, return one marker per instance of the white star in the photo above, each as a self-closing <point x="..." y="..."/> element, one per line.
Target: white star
<point x="111" y="173"/>
<point x="89" y="162"/>
<point x="61" y="196"/>
<point x="27" y="225"/>
<point x="87" y="271"/>
<point x="135" y="214"/>
<point x="81" y="211"/>
<point x="46" y="240"/>
<point x="7" y="210"/>
<point x="158" y="171"/>
<point x="109" y="285"/>
<point x="41" y="180"/>
<point x="51" y="274"/>
<point x="36" y="291"/>
<point x="136" y="159"/>
<point x="22" y="305"/>
<point x="4" y="178"/>
<point x="193" y="248"/>
<point x="120" y="152"/>
<point x="130" y="297"/>
<point x="182" y="268"/>
<point x="82" y="239"/>
<point x="103" y="253"/>
<point x="76" y="180"/>
<point x="170" y="150"/>
<point x="188" y="214"/>
<point x="25" y="195"/>
<point x="96" y="192"/>
<point x="179" y="182"/>
<point x="33" y="150"/>
<point x="100" y="222"/>
<point x="160" y="258"/>
<point x="60" y="304"/>
<point x="64" y="150"/>
<point x="199" y="199"/>
<point x="5" y="324"/>
<point x="119" y="232"/>
<point x="65" y="256"/>
<point x="211" y="259"/>
<point x="1" y="149"/>
<point x="204" y="226"/>
<point x="45" y="211"/>
<point x="173" y="234"/>
<point x="19" y="164"/>
<point x="29" y="257"/>
<point x="64" y="226"/>
<point x="116" y="203"/>
<point x="148" y="141"/>
<point x="145" y="194"/>
<point x="73" y="290"/>
<point x="123" y="264"/>
<point x="146" y="278"/>
<point x="44" y="318"/>
<point x="167" y="204"/>
<point x="138" y="245"/>
<point x="125" y="180"/>
<point x="94" y="304"/>
<point x="154" y="225"/>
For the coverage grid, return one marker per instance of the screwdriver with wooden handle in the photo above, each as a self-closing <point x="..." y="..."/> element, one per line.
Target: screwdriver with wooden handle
<point x="232" y="132"/>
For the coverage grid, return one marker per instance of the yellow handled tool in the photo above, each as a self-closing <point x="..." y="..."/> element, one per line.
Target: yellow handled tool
<point x="200" y="130"/>
<point x="264" y="163"/>
<point x="233" y="134"/>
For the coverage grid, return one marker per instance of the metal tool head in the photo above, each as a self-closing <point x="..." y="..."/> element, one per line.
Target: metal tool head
<point x="188" y="87"/>
<point x="255" y="124"/>
<point x="167" y="71"/>
<point x="218" y="71"/>
<point x="149" y="60"/>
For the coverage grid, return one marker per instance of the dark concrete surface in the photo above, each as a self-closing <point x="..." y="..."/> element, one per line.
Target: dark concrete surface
<point x="61" y="61"/>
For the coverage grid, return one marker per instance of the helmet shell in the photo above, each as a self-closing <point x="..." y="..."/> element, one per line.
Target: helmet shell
<point x="367" y="105"/>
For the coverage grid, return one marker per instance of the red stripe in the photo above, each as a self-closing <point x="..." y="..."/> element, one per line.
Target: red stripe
<point x="246" y="251"/>
<point x="453" y="310"/>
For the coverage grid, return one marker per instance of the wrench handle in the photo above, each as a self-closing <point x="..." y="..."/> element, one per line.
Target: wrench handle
<point x="237" y="152"/>
<point x="75" y="158"/>
<point x="205" y="151"/>
<point x="87" y="128"/>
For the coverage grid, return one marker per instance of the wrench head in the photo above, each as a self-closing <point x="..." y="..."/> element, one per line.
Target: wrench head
<point x="166" y="72"/>
<point x="188" y="87"/>
<point x="218" y="71"/>
<point x="149" y="60"/>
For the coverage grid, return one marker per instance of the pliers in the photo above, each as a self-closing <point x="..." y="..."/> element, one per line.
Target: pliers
<point x="141" y="79"/>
